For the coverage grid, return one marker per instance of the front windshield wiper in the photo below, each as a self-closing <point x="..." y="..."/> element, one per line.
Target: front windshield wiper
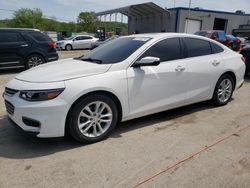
<point x="92" y="60"/>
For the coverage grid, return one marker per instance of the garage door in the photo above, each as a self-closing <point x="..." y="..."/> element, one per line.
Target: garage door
<point x="192" y="26"/>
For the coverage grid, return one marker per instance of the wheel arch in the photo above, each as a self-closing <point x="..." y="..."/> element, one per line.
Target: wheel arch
<point x="36" y="53"/>
<point x="104" y="92"/>
<point x="69" y="45"/>
<point x="232" y="74"/>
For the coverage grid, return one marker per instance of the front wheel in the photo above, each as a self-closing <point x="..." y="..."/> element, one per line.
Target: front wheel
<point x="68" y="47"/>
<point x="92" y="118"/>
<point x="223" y="90"/>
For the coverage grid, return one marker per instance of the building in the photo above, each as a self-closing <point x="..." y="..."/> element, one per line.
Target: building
<point x="149" y="17"/>
<point x="183" y="20"/>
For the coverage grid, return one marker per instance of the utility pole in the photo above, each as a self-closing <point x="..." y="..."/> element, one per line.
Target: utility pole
<point x="190" y="1"/>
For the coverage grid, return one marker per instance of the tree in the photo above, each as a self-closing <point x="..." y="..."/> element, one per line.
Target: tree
<point x="29" y="18"/>
<point x="87" y="21"/>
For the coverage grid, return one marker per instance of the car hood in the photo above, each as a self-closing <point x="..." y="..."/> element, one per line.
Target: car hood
<point x="63" y="41"/>
<point x="62" y="70"/>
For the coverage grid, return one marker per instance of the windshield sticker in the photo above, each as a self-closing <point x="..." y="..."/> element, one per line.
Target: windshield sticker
<point x="144" y="39"/>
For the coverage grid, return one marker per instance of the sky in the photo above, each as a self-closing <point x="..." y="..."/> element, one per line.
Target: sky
<point x="68" y="10"/>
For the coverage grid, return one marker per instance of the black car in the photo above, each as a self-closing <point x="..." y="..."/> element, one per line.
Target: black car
<point x="246" y="54"/>
<point x="25" y="48"/>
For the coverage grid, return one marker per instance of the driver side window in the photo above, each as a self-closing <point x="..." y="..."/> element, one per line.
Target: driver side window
<point x="166" y="50"/>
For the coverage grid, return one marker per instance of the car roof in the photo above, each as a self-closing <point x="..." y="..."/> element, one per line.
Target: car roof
<point x="165" y="35"/>
<point x="83" y="36"/>
<point x="18" y="29"/>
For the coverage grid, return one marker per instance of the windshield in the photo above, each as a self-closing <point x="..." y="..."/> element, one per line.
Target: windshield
<point x="116" y="50"/>
<point x="70" y="38"/>
<point x="202" y="33"/>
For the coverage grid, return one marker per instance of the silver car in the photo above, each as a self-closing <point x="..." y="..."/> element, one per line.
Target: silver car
<point x="76" y="42"/>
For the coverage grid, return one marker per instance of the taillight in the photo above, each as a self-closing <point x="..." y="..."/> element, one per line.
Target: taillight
<point x="52" y="44"/>
<point x="243" y="59"/>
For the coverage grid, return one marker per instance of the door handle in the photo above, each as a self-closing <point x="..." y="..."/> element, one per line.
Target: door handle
<point x="24" y="45"/>
<point x="216" y="63"/>
<point x="179" y="68"/>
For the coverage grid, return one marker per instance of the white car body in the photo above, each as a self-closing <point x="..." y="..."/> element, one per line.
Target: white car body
<point x="77" y="42"/>
<point x="140" y="91"/>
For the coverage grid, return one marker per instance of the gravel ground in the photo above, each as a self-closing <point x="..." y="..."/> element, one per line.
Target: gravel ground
<point x="136" y="150"/>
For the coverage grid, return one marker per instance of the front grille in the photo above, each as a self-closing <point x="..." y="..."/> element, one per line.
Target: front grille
<point x="9" y="107"/>
<point x="10" y="92"/>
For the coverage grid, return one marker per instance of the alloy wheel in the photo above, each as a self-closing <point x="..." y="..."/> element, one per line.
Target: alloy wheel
<point x="34" y="61"/>
<point x="225" y="90"/>
<point x="95" y="119"/>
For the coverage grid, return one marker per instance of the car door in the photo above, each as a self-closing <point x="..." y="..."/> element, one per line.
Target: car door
<point x="204" y="68"/>
<point x="78" y="42"/>
<point x="82" y="42"/>
<point x="12" y="45"/>
<point x="156" y="88"/>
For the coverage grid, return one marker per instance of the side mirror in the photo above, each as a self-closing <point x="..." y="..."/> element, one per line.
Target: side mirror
<point x="147" y="61"/>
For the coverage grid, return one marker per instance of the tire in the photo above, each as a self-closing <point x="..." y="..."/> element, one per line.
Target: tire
<point x="86" y="125"/>
<point x="33" y="61"/>
<point x="223" y="90"/>
<point x="68" y="47"/>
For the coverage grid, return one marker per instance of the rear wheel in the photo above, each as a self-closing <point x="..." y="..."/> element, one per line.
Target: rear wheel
<point x="93" y="118"/>
<point x="33" y="61"/>
<point x="223" y="90"/>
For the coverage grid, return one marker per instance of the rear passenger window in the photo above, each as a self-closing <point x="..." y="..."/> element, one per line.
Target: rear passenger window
<point x="166" y="50"/>
<point x="197" y="47"/>
<point x="216" y="48"/>
<point x="11" y="37"/>
<point x="38" y="36"/>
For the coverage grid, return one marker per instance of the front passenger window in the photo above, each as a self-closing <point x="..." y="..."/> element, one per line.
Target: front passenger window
<point x="166" y="50"/>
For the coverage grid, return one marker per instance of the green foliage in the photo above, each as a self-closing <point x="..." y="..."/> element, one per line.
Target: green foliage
<point x="27" y="18"/>
<point x="33" y="18"/>
<point x="87" y="21"/>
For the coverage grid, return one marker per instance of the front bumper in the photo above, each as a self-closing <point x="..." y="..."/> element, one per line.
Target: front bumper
<point x="60" y="46"/>
<point x="50" y="116"/>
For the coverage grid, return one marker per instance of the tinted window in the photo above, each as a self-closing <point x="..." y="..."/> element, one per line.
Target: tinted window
<point x="11" y="37"/>
<point x="166" y="50"/>
<point x="83" y="38"/>
<point x="197" y="47"/>
<point x="79" y="38"/>
<point x="216" y="48"/>
<point x="38" y="36"/>
<point x="86" y="37"/>
<point x="116" y="50"/>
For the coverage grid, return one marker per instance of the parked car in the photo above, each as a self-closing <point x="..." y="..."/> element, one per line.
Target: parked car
<point x="77" y="42"/>
<point x="220" y="36"/>
<point x="100" y="42"/>
<point x="25" y="48"/>
<point x="126" y="78"/>
<point x="245" y="51"/>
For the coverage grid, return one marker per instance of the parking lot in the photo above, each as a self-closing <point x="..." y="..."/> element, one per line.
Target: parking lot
<point x="165" y="143"/>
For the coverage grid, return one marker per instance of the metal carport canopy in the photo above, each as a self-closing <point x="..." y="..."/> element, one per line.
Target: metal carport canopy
<point x="138" y="10"/>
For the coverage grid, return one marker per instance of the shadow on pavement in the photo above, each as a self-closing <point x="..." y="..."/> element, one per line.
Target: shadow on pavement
<point x="16" y="145"/>
<point x="11" y="71"/>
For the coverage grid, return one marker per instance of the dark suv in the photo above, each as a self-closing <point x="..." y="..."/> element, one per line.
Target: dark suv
<point x="25" y="48"/>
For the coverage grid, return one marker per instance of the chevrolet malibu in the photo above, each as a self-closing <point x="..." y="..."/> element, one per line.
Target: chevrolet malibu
<point x="129" y="77"/>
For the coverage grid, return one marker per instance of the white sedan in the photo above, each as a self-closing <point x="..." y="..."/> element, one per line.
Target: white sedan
<point x="129" y="77"/>
<point x="77" y="42"/>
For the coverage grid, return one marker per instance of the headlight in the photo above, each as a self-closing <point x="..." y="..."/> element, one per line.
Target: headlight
<point x="40" y="95"/>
